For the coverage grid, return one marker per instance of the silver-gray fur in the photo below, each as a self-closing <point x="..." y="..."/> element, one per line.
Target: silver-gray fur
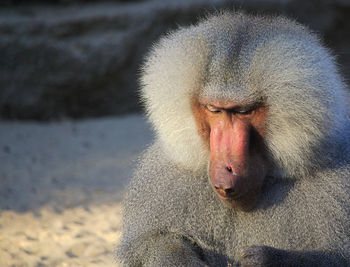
<point x="172" y="215"/>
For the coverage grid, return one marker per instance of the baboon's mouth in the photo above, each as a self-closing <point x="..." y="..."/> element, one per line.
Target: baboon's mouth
<point x="230" y="196"/>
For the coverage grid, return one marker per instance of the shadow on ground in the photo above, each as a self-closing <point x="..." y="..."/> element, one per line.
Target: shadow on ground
<point x="68" y="163"/>
<point x="61" y="186"/>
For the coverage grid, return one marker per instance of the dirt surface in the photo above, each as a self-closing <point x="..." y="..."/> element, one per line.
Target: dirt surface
<point x="61" y="186"/>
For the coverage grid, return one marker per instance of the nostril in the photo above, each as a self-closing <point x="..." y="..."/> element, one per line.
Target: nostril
<point x="229" y="169"/>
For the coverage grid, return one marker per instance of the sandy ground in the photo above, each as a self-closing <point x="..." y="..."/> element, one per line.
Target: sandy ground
<point x="61" y="186"/>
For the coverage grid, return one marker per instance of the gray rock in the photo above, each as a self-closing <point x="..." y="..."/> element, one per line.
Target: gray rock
<point x="82" y="60"/>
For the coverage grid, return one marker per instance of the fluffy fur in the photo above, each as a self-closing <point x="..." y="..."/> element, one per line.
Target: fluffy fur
<point x="173" y="217"/>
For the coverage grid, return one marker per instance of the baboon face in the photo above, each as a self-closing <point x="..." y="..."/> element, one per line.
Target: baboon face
<point x="234" y="134"/>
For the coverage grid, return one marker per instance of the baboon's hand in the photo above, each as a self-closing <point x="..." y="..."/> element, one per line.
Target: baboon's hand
<point x="260" y="256"/>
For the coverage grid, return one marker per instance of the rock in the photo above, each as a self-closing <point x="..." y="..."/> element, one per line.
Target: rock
<point x="80" y="61"/>
<point x="65" y="59"/>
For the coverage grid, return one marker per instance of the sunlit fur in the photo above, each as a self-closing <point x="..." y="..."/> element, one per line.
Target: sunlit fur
<point x="238" y="57"/>
<point x="172" y="215"/>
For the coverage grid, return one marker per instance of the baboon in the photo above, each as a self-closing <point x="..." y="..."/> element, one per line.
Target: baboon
<point x="251" y="161"/>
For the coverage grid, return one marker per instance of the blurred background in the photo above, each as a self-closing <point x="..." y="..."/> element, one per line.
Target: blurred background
<point x="78" y="59"/>
<point x="71" y="124"/>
